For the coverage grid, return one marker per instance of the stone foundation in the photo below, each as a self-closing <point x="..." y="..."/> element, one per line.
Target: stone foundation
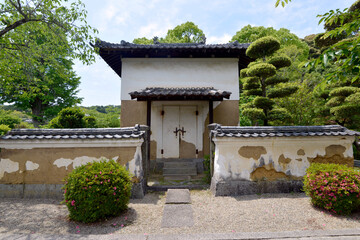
<point x="52" y="191"/>
<point x="245" y="187"/>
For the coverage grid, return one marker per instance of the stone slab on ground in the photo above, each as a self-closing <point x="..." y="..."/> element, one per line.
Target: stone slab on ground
<point x="177" y="215"/>
<point x="178" y="196"/>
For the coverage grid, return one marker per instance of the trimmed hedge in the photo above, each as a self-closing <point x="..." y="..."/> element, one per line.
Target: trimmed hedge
<point x="263" y="102"/>
<point x="344" y="111"/>
<point x="282" y="92"/>
<point x="263" y="47"/>
<point x="262" y="70"/>
<point x="280" y="114"/>
<point x="335" y="101"/>
<point x="253" y="92"/>
<point x="280" y="61"/>
<point x="243" y="72"/>
<point x="333" y="187"/>
<point x="251" y="83"/>
<point x="254" y="113"/>
<point x="276" y="80"/>
<point x="97" y="190"/>
<point x="344" y="91"/>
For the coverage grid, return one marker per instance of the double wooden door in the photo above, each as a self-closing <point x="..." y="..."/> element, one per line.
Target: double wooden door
<point x="179" y="132"/>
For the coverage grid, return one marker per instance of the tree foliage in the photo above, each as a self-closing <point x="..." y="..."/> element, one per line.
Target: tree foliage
<point x="54" y="16"/>
<point x="39" y="39"/>
<point x="184" y="33"/>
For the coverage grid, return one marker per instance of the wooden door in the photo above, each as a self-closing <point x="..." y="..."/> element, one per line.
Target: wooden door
<point x="179" y="132"/>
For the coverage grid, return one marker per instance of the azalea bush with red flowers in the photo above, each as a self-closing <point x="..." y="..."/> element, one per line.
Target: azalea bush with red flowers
<point x="97" y="190"/>
<point x="333" y="187"/>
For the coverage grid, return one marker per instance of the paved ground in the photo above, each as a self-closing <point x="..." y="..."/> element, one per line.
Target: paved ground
<point x="267" y="216"/>
<point x="349" y="234"/>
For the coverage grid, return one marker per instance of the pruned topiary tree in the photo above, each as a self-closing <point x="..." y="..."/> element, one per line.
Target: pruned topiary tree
<point x="261" y="79"/>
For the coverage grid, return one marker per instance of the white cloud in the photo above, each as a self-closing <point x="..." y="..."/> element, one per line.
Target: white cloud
<point x="153" y="29"/>
<point x="219" y="39"/>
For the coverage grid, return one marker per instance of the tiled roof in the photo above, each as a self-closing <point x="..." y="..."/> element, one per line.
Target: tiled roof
<point x="113" y="53"/>
<point x="127" y="45"/>
<point x="158" y="93"/>
<point x="76" y="133"/>
<point x="280" y="131"/>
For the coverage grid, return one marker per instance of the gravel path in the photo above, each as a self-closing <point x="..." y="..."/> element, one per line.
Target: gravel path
<point x="254" y="213"/>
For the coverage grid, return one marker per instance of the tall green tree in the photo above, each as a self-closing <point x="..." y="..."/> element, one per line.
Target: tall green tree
<point x="260" y="78"/>
<point x="64" y="16"/>
<point x="340" y="42"/>
<point x="184" y="33"/>
<point x="39" y="39"/>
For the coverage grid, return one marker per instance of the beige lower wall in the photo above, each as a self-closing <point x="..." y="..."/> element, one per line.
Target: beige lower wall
<point x="51" y="165"/>
<point x="226" y="114"/>
<point x="133" y="112"/>
<point x="277" y="158"/>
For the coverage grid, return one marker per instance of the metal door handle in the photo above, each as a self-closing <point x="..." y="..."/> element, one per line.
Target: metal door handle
<point x="176" y="131"/>
<point x="182" y="131"/>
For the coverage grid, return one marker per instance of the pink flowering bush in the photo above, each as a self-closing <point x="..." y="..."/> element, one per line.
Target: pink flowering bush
<point x="333" y="187"/>
<point x="97" y="190"/>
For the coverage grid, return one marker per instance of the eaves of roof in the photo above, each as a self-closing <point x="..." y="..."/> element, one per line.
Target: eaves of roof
<point x="112" y="53"/>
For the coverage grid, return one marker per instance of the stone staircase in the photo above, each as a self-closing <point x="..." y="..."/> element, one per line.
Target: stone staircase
<point x="357" y="163"/>
<point x="182" y="169"/>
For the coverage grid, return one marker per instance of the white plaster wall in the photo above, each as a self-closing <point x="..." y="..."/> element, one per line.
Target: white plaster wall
<point x="228" y="164"/>
<point x="139" y="73"/>
<point x="8" y="166"/>
<point x="134" y="166"/>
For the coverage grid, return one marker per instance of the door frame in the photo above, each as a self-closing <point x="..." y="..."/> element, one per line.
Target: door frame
<point x="156" y="124"/>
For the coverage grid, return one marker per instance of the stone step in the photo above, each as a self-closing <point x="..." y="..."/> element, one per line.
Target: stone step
<point x="179" y="171"/>
<point x="177" y="178"/>
<point x="164" y="160"/>
<point x="356" y="163"/>
<point x="179" y="165"/>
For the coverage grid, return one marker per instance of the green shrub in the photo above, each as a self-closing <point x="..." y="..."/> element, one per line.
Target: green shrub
<point x="54" y="123"/>
<point x="24" y="125"/>
<point x="4" y="129"/>
<point x="333" y="187"/>
<point x="97" y="190"/>
<point x="71" y="118"/>
<point x="207" y="169"/>
<point x="90" y="121"/>
<point x="9" y="120"/>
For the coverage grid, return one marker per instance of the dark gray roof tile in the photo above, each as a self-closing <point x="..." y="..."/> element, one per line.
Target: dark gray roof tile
<point x="280" y="131"/>
<point x="81" y="133"/>
<point x="180" y="93"/>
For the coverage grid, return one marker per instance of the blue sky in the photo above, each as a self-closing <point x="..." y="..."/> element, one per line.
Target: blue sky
<point x="119" y="20"/>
